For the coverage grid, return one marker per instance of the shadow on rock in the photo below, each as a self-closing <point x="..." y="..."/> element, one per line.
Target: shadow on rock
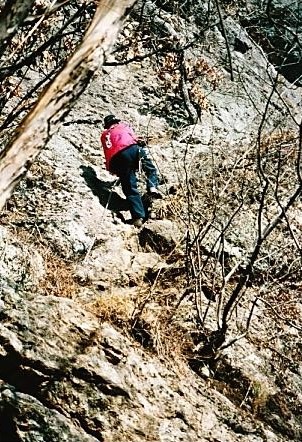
<point x="104" y="191"/>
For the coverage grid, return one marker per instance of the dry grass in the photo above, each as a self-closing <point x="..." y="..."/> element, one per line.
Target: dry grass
<point x="171" y="207"/>
<point x="153" y="323"/>
<point x="58" y="277"/>
<point x="58" y="280"/>
<point x="146" y="318"/>
<point x="115" y="307"/>
<point x="170" y="341"/>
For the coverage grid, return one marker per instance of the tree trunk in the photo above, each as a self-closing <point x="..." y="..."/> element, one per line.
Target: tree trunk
<point x="42" y="121"/>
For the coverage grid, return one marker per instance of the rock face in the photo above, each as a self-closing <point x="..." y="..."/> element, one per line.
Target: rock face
<point x="66" y="376"/>
<point x="281" y="43"/>
<point x="89" y="370"/>
<point x="89" y="304"/>
<point x="161" y="236"/>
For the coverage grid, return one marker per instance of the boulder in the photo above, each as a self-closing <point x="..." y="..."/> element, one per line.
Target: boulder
<point x="161" y="236"/>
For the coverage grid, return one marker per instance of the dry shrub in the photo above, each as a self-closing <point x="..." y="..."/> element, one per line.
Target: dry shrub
<point x="222" y="183"/>
<point x="201" y="67"/>
<point x="199" y="97"/>
<point x="285" y="304"/>
<point x="115" y="307"/>
<point x="169" y="73"/>
<point x="224" y="189"/>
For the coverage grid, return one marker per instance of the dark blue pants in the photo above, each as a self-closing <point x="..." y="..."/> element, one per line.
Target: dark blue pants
<point x="125" y="164"/>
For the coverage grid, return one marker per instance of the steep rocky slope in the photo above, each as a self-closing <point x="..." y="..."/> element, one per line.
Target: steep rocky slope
<point x="100" y="335"/>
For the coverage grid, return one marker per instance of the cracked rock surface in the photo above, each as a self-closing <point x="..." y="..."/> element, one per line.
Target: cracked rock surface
<point x="69" y="377"/>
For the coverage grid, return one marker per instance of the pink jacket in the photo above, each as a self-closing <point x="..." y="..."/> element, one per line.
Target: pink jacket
<point x="116" y="138"/>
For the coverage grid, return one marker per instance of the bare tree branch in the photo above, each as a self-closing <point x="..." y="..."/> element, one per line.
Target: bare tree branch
<point x="223" y="31"/>
<point x="56" y="101"/>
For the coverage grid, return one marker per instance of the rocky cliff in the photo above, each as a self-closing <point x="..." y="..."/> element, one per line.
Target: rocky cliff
<point x="111" y="333"/>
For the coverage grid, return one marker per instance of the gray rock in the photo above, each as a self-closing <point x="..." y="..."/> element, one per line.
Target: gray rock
<point x="162" y="236"/>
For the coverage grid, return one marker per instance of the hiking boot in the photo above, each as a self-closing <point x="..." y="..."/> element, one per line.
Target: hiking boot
<point x="155" y="193"/>
<point x="138" y="222"/>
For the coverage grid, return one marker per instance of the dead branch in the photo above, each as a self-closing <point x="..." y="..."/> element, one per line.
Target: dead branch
<point x="223" y="31"/>
<point x="37" y="127"/>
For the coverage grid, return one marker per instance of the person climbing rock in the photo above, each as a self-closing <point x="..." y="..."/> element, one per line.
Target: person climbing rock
<point x="124" y="151"/>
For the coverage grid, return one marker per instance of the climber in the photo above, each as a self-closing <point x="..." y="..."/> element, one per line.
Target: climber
<point x="123" y="152"/>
